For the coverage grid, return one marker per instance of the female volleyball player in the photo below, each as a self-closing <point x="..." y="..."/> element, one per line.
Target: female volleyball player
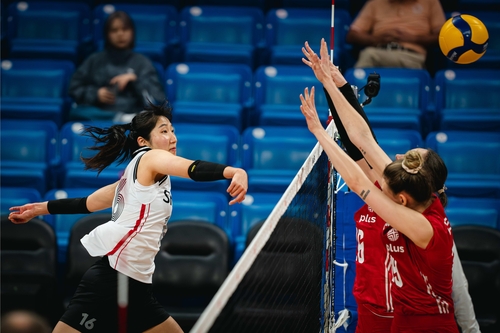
<point x="142" y="204"/>
<point x="417" y="234"/>
<point x="372" y="283"/>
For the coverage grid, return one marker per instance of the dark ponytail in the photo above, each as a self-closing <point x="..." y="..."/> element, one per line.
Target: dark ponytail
<point x="112" y="144"/>
<point x="119" y="142"/>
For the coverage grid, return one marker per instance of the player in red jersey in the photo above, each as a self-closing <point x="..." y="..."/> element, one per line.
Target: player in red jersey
<point x="407" y="204"/>
<point x="372" y="284"/>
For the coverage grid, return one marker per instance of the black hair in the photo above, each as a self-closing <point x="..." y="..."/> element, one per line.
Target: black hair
<point x="127" y="22"/>
<point x="115" y="144"/>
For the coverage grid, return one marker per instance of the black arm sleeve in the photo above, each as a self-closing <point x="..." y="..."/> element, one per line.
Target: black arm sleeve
<point x="202" y="171"/>
<point x="68" y="206"/>
<point x="349" y="95"/>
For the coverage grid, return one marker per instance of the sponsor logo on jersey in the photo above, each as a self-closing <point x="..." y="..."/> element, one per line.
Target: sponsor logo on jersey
<point x="393" y="235"/>
<point x="367" y="218"/>
<point x="391" y="248"/>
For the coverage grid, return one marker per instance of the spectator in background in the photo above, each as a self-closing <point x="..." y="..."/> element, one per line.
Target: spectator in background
<point x="116" y="82"/>
<point x="396" y="33"/>
<point x="21" y="321"/>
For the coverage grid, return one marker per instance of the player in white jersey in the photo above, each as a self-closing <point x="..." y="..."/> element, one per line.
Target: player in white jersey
<point x="141" y="202"/>
<point x="406" y="203"/>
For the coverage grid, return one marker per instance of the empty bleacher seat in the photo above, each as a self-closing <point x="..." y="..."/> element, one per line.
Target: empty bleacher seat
<point x="398" y="141"/>
<point x="36" y="89"/>
<point x="468" y="99"/>
<point x="402" y="100"/>
<point x="209" y="93"/>
<point x="210" y="207"/>
<point x="273" y="155"/>
<point x="479" y="250"/>
<point x="262" y="4"/>
<point x="289" y="28"/>
<point x="187" y="247"/>
<point x="213" y="143"/>
<point x="29" y="154"/>
<point x="156" y="34"/>
<point x="49" y="30"/>
<point x="29" y="269"/>
<point x="224" y="34"/>
<point x="63" y="223"/>
<point x="472" y="159"/>
<point x="254" y="209"/>
<point x="344" y="4"/>
<point x="473" y="211"/>
<point x="73" y="145"/>
<point x="175" y="3"/>
<point x="17" y="196"/>
<point x="277" y="90"/>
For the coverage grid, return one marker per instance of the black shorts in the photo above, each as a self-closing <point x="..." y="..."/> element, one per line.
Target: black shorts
<point x="94" y="307"/>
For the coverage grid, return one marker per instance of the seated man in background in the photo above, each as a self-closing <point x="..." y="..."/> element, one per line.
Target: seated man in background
<point x="396" y="33"/>
<point x="115" y="83"/>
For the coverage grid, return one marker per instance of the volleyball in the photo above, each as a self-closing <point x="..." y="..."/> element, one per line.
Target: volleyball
<point x="463" y="39"/>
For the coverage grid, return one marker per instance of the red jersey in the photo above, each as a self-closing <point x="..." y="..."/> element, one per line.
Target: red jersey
<point x="372" y="285"/>
<point x="422" y="278"/>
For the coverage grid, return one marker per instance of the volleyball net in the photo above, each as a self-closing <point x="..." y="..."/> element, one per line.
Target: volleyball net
<point x="284" y="281"/>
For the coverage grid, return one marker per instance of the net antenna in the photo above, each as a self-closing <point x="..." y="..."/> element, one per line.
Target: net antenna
<point x="337" y="184"/>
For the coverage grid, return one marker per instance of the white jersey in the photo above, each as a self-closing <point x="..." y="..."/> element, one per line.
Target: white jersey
<point x="132" y="238"/>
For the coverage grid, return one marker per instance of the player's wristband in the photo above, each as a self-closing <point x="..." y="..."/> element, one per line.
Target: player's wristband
<point x="68" y="206"/>
<point x="202" y="171"/>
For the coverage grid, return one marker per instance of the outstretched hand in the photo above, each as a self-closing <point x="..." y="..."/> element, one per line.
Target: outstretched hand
<point x="309" y="111"/>
<point x="319" y="65"/>
<point x="22" y="214"/>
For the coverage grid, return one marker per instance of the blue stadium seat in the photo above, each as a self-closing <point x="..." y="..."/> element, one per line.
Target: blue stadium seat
<point x="254" y="209"/>
<point x="289" y="28"/>
<point x="17" y="196"/>
<point x="473" y="211"/>
<point x="63" y="223"/>
<point x="213" y="143"/>
<point x="398" y="141"/>
<point x="472" y="159"/>
<point x="29" y="154"/>
<point x="491" y="59"/>
<point x="73" y="145"/>
<point x="468" y="99"/>
<point x="224" y="34"/>
<point x="211" y="207"/>
<point x="156" y="28"/>
<point x="36" y="89"/>
<point x="175" y="3"/>
<point x="273" y="155"/>
<point x="49" y="30"/>
<point x="403" y="98"/>
<point x="209" y="93"/>
<point x="344" y="4"/>
<point x="262" y="4"/>
<point x="277" y="90"/>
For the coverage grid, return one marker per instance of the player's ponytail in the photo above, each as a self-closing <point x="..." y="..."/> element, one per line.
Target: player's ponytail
<point x="112" y="144"/>
<point x="119" y="142"/>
